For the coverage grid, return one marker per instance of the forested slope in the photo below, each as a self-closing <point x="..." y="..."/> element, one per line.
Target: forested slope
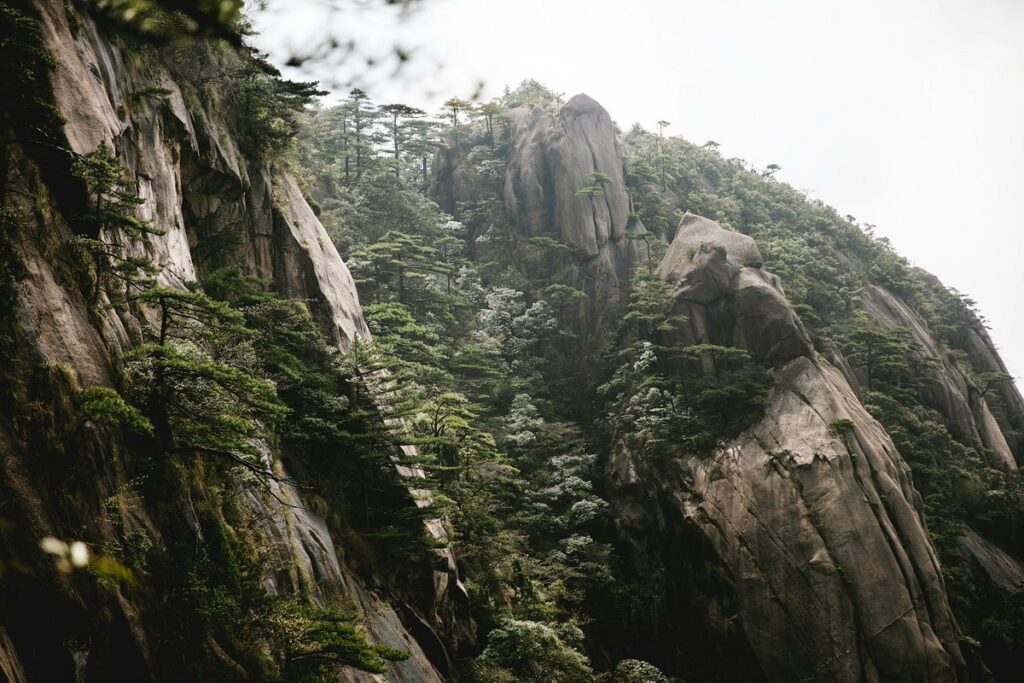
<point x="551" y="313"/>
<point x="297" y="392"/>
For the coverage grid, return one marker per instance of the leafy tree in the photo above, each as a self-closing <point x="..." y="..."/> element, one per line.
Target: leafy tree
<point x="533" y="93"/>
<point x="596" y="187"/>
<point x="318" y="642"/>
<point x="638" y="671"/>
<point x="265" y="105"/>
<point x="106" y="406"/>
<point x="399" y="258"/>
<point x="649" y="308"/>
<point x="453" y="106"/>
<point x="446" y="429"/>
<point x="531" y="652"/>
<point x="884" y="356"/>
<point x="200" y="400"/>
<point x="490" y="111"/>
<point x="422" y="143"/>
<point x="986" y="381"/>
<point x="364" y="116"/>
<point x="561" y="297"/>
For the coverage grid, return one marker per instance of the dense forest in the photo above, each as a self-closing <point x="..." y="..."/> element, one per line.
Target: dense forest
<point x="491" y="453"/>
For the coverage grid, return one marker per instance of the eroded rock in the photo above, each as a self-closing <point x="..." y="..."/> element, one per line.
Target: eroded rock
<point x="821" y="533"/>
<point x="217" y="208"/>
<point x="1004" y="571"/>
<point x="726" y="296"/>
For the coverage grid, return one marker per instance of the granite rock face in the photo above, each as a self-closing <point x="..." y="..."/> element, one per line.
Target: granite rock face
<point x="947" y="389"/>
<point x="821" y="534"/>
<point x="726" y="296"/>
<point x="551" y="160"/>
<point x="1004" y="571"/>
<point x="218" y="208"/>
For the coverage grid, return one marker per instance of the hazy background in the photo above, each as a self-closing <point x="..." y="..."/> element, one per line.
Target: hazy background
<point x="907" y="114"/>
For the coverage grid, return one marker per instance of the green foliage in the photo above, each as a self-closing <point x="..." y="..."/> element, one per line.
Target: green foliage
<point x="531" y="92"/>
<point x="160" y="21"/>
<point x="105" y="406"/>
<point x="12" y="270"/>
<point x="112" y="194"/>
<point x="886" y="358"/>
<point x="453" y="106"/>
<point x="596" y="187"/>
<point x="840" y="426"/>
<point x="484" y="348"/>
<point x="111" y="229"/>
<point x="25" y="81"/>
<point x="266" y="106"/>
<point x="531" y="652"/>
<point x="638" y="671"/>
<point x="196" y="384"/>
<point x="318" y="642"/>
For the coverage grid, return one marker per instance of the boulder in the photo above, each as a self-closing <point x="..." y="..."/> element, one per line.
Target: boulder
<point x="1003" y="570"/>
<point x="820" y="534"/>
<point x="726" y="297"/>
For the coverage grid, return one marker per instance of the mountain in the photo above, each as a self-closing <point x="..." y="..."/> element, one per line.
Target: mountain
<point x="349" y="393"/>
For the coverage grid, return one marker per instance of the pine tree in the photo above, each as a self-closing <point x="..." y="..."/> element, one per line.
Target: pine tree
<point x="400" y="115"/>
<point x="111" y="228"/>
<point x="364" y="116"/>
<point x="195" y="387"/>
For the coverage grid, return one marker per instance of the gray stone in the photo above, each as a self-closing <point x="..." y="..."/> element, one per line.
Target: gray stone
<point x="725" y="295"/>
<point x="202" y="192"/>
<point x="1002" y="570"/>
<point x="822" y="534"/>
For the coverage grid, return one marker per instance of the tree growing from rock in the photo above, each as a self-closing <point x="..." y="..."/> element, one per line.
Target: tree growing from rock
<point x="111" y="227"/>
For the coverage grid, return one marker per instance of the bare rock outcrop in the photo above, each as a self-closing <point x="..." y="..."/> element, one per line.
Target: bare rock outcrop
<point x="551" y="160"/>
<point x="726" y="295"/>
<point x="819" y="528"/>
<point x="1004" y="571"/>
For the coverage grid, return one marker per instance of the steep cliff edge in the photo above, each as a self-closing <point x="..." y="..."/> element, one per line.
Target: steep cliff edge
<point x="217" y="206"/>
<point x="819" y="527"/>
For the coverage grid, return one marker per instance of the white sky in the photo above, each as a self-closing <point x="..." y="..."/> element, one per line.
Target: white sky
<point x="908" y="114"/>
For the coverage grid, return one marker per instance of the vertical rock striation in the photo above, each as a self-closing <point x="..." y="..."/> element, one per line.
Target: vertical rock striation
<point x="217" y="207"/>
<point x="550" y="161"/>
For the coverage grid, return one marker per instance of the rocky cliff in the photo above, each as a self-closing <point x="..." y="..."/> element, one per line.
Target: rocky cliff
<point x="794" y="548"/>
<point x="798" y="549"/>
<point x="217" y="207"/>
<point x="819" y="528"/>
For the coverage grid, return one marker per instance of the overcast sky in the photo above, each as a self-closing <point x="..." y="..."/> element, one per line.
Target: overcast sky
<point x="908" y="114"/>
